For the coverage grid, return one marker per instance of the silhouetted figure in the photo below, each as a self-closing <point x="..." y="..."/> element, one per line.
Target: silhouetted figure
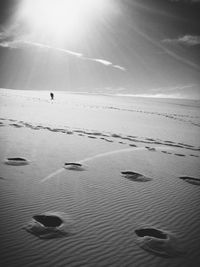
<point x="52" y="96"/>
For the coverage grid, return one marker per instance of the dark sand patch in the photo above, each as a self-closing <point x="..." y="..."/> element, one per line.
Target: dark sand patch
<point x="190" y="180"/>
<point x="134" y="176"/>
<point x="50" y="225"/>
<point x="16" y="161"/>
<point x="158" y="242"/>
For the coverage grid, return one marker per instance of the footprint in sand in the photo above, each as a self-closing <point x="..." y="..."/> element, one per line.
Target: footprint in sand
<point x="134" y="176"/>
<point x="107" y="140"/>
<point x="158" y="242"/>
<point x="132" y="145"/>
<point x="92" y="137"/>
<point x="165" y="152"/>
<point x="73" y="166"/>
<point x="194" y="156"/>
<point x="50" y="225"/>
<point x="150" y="148"/>
<point x="116" y="135"/>
<point x="122" y="143"/>
<point x="190" y="180"/>
<point x="69" y="132"/>
<point x="16" y="161"/>
<point x="16" y="125"/>
<point x="149" y="139"/>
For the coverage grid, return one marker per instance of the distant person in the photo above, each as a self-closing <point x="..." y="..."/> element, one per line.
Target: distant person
<point x="52" y="96"/>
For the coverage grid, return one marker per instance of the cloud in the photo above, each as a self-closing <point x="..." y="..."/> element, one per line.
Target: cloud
<point x="102" y="61"/>
<point x="13" y="42"/>
<point x="187" y="40"/>
<point x="119" y="67"/>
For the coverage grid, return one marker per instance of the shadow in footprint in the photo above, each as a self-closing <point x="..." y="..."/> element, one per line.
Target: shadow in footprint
<point x="16" y="161"/>
<point x="158" y="242"/>
<point x="190" y="180"/>
<point x="134" y="176"/>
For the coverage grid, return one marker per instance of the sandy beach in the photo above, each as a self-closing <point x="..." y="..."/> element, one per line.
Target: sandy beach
<point x="113" y="164"/>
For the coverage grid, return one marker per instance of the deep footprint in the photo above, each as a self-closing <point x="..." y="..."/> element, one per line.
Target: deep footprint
<point x="134" y="176"/>
<point x="74" y="166"/>
<point x="158" y="242"/>
<point x="50" y="225"/>
<point x="16" y="161"/>
<point x="190" y="180"/>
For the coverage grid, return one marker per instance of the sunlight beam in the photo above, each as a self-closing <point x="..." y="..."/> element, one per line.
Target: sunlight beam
<point x="61" y="18"/>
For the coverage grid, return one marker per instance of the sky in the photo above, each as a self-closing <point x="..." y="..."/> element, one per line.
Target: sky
<point x="133" y="47"/>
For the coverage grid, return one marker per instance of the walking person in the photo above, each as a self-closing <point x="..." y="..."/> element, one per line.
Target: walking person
<point x="52" y="96"/>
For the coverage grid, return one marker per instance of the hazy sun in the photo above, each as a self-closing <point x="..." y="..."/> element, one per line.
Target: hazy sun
<point x="61" y="17"/>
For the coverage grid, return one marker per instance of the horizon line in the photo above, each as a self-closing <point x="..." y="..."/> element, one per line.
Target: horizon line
<point x="156" y="96"/>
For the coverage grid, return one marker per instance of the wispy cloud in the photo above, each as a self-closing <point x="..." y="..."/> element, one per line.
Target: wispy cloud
<point x="187" y="40"/>
<point x="102" y="61"/>
<point x="14" y="43"/>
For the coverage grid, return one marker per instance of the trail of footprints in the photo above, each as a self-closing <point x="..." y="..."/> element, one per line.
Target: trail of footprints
<point x="174" y="116"/>
<point x="124" y="140"/>
<point x="56" y="224"/>
<point x="130" y="140"/>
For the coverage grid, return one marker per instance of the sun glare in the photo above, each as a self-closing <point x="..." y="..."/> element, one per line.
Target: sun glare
<point x="61" y="17"/>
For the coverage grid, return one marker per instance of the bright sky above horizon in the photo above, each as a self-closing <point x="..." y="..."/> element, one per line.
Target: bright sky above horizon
<point x="145" y="47"/>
